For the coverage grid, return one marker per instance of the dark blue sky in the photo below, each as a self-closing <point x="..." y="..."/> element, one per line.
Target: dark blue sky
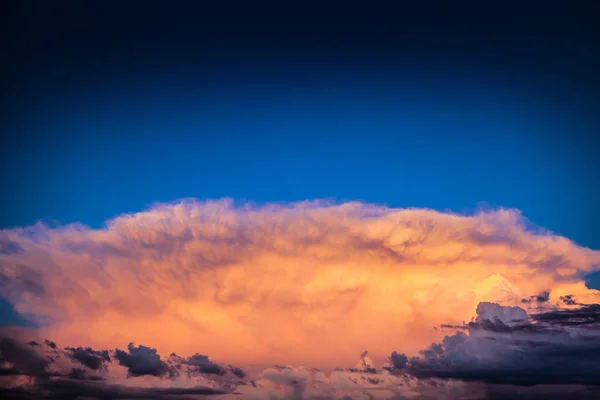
<point x="111" y="106"/>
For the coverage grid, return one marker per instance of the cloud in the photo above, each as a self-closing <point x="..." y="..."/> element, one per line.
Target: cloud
<point x="71" y="389"/>
<point x="50" y="344"/>
<point x="7" y="246"/>
<point x="311" y="283"/>
<point x="204" y="365"/>
<point x="586" y="315"/>
<point x="443" y="371"/>
<point x="92" y="359"/>
<point x="497" y="349"/>
<point x="398" y="362"/>
<point x="281" y="283"/>
<point x="365" y="364"/>
<point x="21" y="359"/>
<point x="142" y="360"/>
<point x="28" y="370"/>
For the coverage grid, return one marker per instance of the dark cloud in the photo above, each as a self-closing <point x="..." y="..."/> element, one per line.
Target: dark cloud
<point x="201" y="364"/>
<point x="18" y="393"/>
<point x="397" y="362"/>
<point x="371" y="381"/>
<point x="24" y="360"/>
<point x="540" y="298"/>
<point x="541" y="392"/>
<point x="237" y="372"/>
<point x="499" y="319"/>
<point x="586" y="315"/>
<point x="64" y="389"/>
<point x="204" y="365"/>
<point x="80" y="374"/>
<point x="569" y="300"/>
<point x="93" y="359"/>
<point x="28" y="371"/>
<point x="503" y="348"/>
<point x="142" y="360"/>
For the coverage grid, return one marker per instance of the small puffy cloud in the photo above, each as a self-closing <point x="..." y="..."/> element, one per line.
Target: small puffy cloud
<point x="204" y="365"/>
<point x="509" y="316"/>
<point x="93" y="359"/>
<point x="539" y="298"/>
<point x="142" y="360"/>
<point x="33" y="371"/>
<point x="237" y="371"/>
<point x="397" y="362"/>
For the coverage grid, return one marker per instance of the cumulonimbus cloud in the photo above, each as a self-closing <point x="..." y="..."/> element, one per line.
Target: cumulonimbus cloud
<point x="308" y="283"/>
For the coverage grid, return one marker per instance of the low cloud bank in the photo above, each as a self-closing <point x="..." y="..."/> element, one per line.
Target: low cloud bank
<point x="505" y="345"/>
<point x="502" y="353"/>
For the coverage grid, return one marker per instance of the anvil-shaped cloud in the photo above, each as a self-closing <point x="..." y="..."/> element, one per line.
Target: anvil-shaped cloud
<point x="310" y="283"/>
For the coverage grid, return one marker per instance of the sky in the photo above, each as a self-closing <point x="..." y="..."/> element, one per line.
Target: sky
<point x="294" y="185"/>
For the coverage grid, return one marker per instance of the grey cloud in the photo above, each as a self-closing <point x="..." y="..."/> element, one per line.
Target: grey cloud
<point x="93" y="359"/>
<point x="204" y="365"/>
<point x="24" y="360"/>
<point x="398" y="361"/>
<point x="569" y="300"/>
<point x="237" y="372"/>
<point x="80" y="374"/>
<point x="291" y="377"/>
<point x="19" y="393"/>
<point x="142" y="360"/>
<point x="58" y="381"/>
<point x="63" y="389"/>
<point x="201" y="364"/>
<point x="586" y="315"/>
<point x="541" y="392"/>
<point x="540" y="298"/>
<point x="498" y="350"/>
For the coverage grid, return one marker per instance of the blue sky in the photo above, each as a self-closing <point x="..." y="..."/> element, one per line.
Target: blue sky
<point x="100" y="153"/>
<point x="408" y="113"/>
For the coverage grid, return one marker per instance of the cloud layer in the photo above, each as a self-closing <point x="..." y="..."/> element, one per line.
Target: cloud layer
<point x="311" y="284"/>
<point x="304" y="283"/>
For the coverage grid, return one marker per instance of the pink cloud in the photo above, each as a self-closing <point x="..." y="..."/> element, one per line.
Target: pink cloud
<point x="306" y="283"/>
<point x="311" y="284"/>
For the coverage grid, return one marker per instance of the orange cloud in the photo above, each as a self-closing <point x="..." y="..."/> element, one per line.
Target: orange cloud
<point x="308" y="283"/>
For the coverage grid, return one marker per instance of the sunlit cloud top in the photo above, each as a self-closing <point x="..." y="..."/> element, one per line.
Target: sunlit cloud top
<point x="312" y="283"/>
